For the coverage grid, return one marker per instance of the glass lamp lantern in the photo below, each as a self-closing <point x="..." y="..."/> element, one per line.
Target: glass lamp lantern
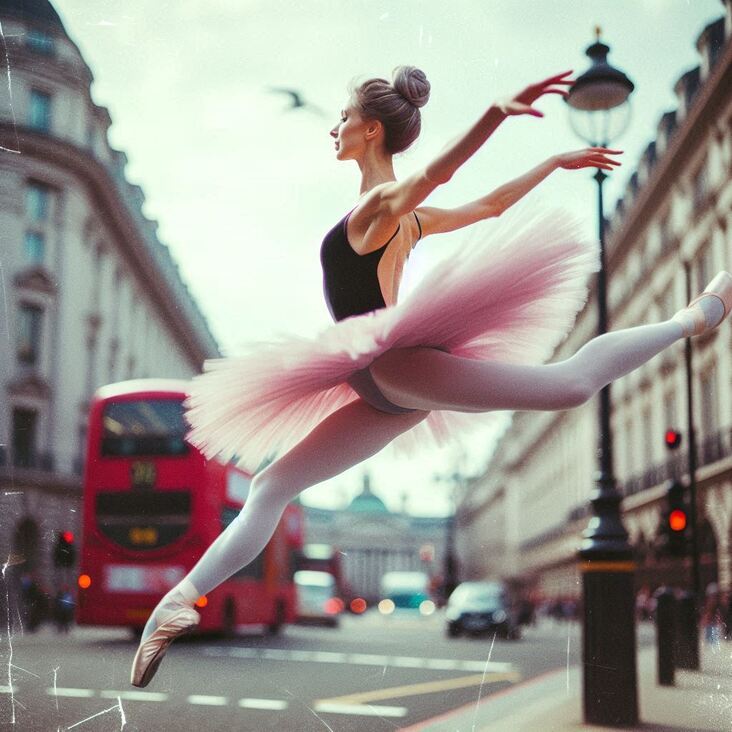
<point x="599" y="110"/>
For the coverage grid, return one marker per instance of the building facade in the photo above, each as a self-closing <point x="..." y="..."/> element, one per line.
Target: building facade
<point x="89" y="295"/>
<point x="373" y="540"/>
<point x="522" y="520"/>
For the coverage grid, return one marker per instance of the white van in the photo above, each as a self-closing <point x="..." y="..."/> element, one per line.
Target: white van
<point x="317" y="600"/>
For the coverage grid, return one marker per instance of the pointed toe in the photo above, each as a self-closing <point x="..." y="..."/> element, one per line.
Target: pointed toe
<point x="150" y="653"/>
<point x="721" y="286"/>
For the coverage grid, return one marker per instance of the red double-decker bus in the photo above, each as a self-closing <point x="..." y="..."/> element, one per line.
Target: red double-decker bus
<point x="153" y="504"/>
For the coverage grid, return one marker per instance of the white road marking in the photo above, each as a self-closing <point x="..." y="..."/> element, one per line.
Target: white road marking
<point x="8" y="689"/>
<point x="366" y="710"/>
<point x="134" y="695"/>
<point x="367" y="659"/>
<point x="444" y="664"/>
<point x="278" y="654"/>
<point x="358" y="659"/>
<point x="328" y="657"/>
<point x="408" y="662"/>
<point x="276" y="704"/>
<point x="61" y="691"/>
<point x="296" y="656"/>
<point x="214" y="701"/>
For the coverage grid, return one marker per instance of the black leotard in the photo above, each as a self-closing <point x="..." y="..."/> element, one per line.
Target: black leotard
<point x="350" y="282"/>
<point x="351" y="287"/>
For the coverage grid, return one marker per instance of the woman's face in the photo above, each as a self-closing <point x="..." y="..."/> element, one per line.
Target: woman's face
<point x="349" y="134"/>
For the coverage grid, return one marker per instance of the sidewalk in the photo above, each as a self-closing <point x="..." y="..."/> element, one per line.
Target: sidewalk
<point x="701" y="701"/>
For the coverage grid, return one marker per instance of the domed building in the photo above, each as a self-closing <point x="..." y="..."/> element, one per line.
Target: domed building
<point x="367" y="501"/>
<point x="372" y="540"/>
<point x="90" y="294"/>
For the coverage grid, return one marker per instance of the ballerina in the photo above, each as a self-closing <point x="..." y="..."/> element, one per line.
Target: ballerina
<point x="471" y="338"/>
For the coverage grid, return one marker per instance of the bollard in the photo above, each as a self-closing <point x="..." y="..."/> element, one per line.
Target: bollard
<point x="665" y="635"/>
<point x="687" y="632"/>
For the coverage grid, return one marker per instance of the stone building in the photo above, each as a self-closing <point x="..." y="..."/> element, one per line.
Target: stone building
<point x="89" y="294"/>
<point x="522" y="520"/>
<point x="373" y="540"/>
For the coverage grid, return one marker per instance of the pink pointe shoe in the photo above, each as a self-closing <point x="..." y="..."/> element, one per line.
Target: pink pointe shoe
<point x="150" y="653"/>
<point x="693" y="318"/>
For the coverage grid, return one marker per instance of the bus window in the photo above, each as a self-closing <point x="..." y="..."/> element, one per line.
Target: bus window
<point x="144" y="427"/>
<point x="143" y="521"/>
<point x="237" y="486"/>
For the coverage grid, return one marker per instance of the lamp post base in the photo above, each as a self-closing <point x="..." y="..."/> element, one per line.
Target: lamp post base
<point x="609" y="644"/>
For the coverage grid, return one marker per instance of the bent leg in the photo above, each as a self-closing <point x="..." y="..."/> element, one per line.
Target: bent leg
<point x="426" y="378"/>
<point x="347" y="437"/>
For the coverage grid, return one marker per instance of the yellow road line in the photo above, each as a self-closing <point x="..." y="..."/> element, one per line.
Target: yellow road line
<point x="429" y="687"/>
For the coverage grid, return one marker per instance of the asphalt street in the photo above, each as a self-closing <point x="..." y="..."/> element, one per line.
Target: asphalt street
<point x="370" y="674"/>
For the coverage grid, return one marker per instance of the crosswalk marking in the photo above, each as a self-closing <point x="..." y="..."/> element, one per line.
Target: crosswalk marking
<point x="274" y="704"/>
<point x="62" y="691"/>
<point x="359" y="659"/>
<point x="361" y="709"/>
<point x="214" y="701"/>
<point x="135" y="695"/>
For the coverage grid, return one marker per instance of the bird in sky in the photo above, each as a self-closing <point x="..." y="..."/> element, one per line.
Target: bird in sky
<point x="297" y="100"/>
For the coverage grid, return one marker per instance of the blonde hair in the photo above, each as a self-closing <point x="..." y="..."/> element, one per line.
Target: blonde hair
<point x="395" y="105"/>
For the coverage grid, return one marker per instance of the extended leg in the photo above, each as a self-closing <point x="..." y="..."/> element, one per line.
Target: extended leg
<point x="425" y="378"/>
<point x="346" y="438"/>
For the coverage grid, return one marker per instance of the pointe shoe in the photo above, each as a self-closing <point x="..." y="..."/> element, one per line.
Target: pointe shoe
<point x="150" y="653"/>
<point x="692" y="317"/>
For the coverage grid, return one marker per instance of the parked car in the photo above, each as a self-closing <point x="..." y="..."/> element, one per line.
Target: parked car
<point x="317" y="599"/>
<point x="405" y="591"/>
<point x="480" y="608"/>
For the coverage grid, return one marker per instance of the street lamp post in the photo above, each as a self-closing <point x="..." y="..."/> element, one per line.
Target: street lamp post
<point x="598" y="113"/>
<point x="450" y="564"/>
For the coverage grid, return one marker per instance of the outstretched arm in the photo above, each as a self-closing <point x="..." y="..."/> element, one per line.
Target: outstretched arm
<point x="440" y="220"/>
<point x="401" y="197"/>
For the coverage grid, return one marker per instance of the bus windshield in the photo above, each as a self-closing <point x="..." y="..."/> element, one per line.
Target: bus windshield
<point x="144" y="427"/>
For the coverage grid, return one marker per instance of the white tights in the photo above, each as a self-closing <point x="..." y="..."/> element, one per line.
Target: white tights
<point x="423" y="379"/>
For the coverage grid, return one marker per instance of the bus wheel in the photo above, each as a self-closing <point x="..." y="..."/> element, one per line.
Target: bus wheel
<point x="228" y="621"/>
<point x="279" y="620"/>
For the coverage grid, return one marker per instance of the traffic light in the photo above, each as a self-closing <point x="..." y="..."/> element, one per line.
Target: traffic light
<point x="672" y="438"/>
<point x="64" y="553"/>
<point x="676" y="519"/>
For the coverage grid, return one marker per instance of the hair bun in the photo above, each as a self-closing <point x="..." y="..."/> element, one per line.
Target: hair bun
<point x="412" y="84"/>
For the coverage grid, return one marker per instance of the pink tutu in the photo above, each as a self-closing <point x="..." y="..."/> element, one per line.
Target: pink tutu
<point x="510" y="297"/>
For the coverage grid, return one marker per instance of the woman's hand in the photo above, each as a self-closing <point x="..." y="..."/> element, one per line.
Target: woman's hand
<point x="591" y="157"/>
<point x="521" y="103"/>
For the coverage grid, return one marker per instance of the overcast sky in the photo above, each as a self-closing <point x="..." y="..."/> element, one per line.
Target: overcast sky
<point x="244" y="189"/>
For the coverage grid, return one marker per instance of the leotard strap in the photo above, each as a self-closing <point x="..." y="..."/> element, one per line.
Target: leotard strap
<point x="418" y="224"/>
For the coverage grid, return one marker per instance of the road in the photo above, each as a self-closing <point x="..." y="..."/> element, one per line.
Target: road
<point x="370" y="674"/>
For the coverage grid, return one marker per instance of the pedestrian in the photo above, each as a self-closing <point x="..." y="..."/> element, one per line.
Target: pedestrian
<point x="713" y="616"/>
<point x="34" y="601"/>
<point x="471" y="338"/>
<point x="63" y="609"/>
<point x="641" y="603"/>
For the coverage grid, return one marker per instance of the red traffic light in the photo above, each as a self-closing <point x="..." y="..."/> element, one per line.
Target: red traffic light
<point x="677" y="520"/>
<point x="672" y="439"/>
<point x="68" y="536"/>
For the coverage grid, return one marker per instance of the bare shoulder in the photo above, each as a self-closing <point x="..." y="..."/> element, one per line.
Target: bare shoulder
<point x="370" y="224"/>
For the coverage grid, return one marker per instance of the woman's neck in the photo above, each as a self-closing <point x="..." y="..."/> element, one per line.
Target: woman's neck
<point x="375" y="169"/>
